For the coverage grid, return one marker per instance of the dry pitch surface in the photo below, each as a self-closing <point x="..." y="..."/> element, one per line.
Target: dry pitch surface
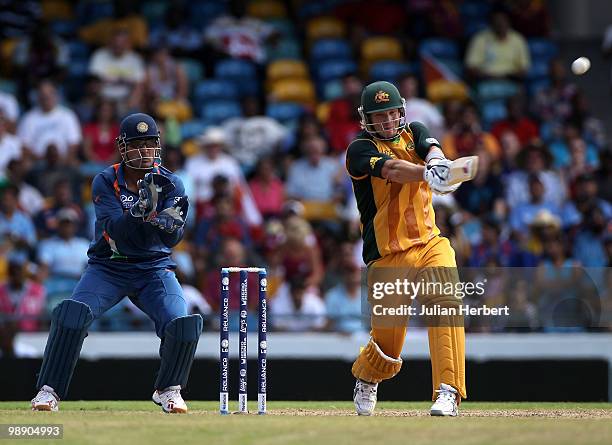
<point x="132" y="422"/>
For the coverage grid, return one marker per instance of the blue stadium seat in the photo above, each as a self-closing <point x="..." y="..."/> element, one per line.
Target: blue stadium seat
<point x="334" y="69"/>
<point x="285" y="49"/>
<point x="542" y="49"/>
<point x="538" y="69"/>
<point x="192" y="128"/>
<point x="202" y="13"/>
<point x="332" y="90"/>
<point x="312" y="9"/>
<point x="64" y="28"/>
<point x="475" y="10"/>
<point x="284" y="111"/>
<point x="215" y="89"/>
<point x="193" y="69"/>
<point x="325" y="49"/>
<point x="78" y="68"/>
<point x="390" y="70"/>
<point x="235" y="69"/>
<point x="472" y="26"/>
<point x="496" y="89"/>
<point x="78" y="50"/>
<point x="221" y="110"/>
<point x="441" y="48"/>
<point x="90" y="12"/>
<point x="8" y="86"/>
<point x="535" y="86"/>
<point x="284" y="27"/>
<point x="493" y="111"/>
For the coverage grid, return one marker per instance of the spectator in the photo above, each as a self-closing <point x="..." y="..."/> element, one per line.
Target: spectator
<point x="231" y="253"/>
<point x="223" y="224"/>
<point x="30" y="199"/>
<point x="9" y="109"/>
<point x="64" y="255"/>
<point x="121" y="71"/>
<point x="239" y="36"/>
<point x="182" y="39"/>
<point x="22" y="303"/>
<point x="517" y="122"/>
<point x="52" y="169"/>
<point x="588" y="246"/>
<point x="313" y="178"/>
<point x="590" y="127"/>
<point x="553" y="104"/>
<point x="343" y="120"/>
<point x="267" y="189"/>
<point x="46" y="220"/>
<point x="562" y="148"/>
<point x="10" y="145"/>
<point x="467" y="136"/>
<point x="39" y="55"/>
<point x="523" y="214"/>
<point x="418" y="109"/>
<point x="493" y="248"/>
<point x="586" y="197"/>
<point x="17" y="233"/>
<point x="300" y="251"/>
<point x="253" y="137"/>
<point x="99" y="136"/>
<point x="485" y="192"/>
<point x="167" y="86"/>
<point x="211" y="162"/>
<point x="343" y="302"/>
<point x="529" y="17"/>
<point x="50" y="123"/>
<point x="534" y="159"/>
<point x="497" y="52"/>
<point x="578" y="162"/>
<point x="297" y="307"/>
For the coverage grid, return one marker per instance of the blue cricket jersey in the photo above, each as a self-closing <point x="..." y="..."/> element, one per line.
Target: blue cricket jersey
<point x="122" y="241"/>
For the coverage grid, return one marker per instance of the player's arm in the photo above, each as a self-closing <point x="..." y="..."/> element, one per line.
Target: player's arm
<point x="398" y="170"/>
<point x="117" y="223"/>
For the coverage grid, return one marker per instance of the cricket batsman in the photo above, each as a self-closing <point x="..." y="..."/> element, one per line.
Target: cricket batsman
<point x="141" y="209"/>
<point x="395" y="166"/>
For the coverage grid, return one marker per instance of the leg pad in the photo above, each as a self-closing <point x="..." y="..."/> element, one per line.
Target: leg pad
<point x="178" y="350"/>
<point x="373" y="366"/>
<point x="69" y="323"/>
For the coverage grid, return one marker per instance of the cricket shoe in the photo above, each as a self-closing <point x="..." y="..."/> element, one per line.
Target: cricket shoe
<point x="446" y="402"/>
<point x="170" y="400"/>
<point x="364" y="397"/>
<point x="45" y="400"/>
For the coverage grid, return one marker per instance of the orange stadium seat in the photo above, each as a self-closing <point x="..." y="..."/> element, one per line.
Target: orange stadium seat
<point x="301" y="91"/>
<point x="443" y="90"/>
<point x="381" y="48"/>
<point x="325" y="27"/>
<point x="266" y="9"/>
<point x="286" y="69"/>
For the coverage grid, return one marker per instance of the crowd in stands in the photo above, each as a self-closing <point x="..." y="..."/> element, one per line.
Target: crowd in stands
<point x="257" y="102"/>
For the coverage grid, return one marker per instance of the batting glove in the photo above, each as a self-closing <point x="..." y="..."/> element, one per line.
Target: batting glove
<point x="436" y="175"/>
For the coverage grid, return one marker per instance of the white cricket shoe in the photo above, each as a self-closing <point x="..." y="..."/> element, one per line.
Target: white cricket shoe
<point x="446" y="402"/>
<point x="364" y="397"/>
<point x="45" y="400"/>
<point x="170" y="400"/>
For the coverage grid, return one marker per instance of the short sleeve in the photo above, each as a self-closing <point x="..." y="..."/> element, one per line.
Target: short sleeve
<point x="363" y="159"/>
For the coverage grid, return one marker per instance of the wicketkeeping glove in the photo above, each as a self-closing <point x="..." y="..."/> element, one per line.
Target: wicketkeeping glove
<point x="172" y="218"/>
<point x="436" y="175"/>
<point x="150" y="190"/>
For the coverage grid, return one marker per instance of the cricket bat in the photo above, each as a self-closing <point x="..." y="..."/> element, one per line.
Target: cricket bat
<point x="462" y="169"/>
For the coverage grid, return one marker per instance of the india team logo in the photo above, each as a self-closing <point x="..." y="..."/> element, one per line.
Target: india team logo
<point x="225" y="281"/>
<point x="263" y="345"/>
<point x="225" y="344"/>
<point x="243" y="373"/>
<point x="263" y="283"/>
<point x="142" y="127"/>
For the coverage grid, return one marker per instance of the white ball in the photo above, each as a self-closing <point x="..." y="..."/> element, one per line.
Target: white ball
<point x="581" y="65"/>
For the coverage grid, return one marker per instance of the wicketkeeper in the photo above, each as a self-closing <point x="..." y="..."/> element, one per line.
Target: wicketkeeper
<point x="141" y="209"/>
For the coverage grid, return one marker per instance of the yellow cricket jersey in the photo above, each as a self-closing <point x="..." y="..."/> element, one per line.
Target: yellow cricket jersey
<point x="394" y="216"/>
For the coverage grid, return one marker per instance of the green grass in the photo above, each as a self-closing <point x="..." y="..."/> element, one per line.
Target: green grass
<point x="116" y="422"/>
